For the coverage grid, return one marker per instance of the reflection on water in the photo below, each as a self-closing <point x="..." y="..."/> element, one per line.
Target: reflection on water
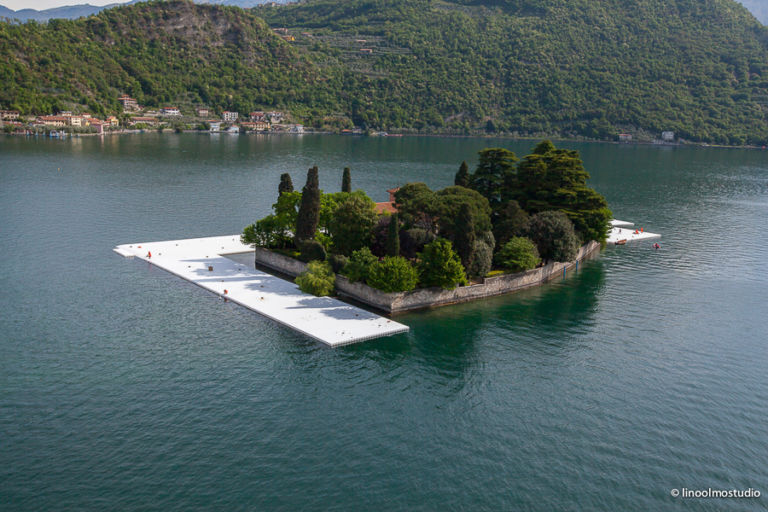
<point x="122" y="384"/>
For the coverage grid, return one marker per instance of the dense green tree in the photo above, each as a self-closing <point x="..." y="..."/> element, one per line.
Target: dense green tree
<point x="510" y="222"/>
<point x="464" y="235"/>
<point x="286" y="185"/>
<point x="518" y="254"/>
<point x="495" y="169"/>
<point x="555" y="179"/>
<point x="318" y="279"/>
<point x="440" y="266"/>
<point x="352" y="222"/>
<point x="462" y="175"/>
<point x="554" y="236"/>
<point x="482" y="255"/>
<point x="393" y="236"/>
<point x="412" y="241"/>
<point x="358" y="268"/>
<point x="346" y="180"/>
<point x="393" y="274"/>
<point x="309" y="210"/>
<point x="448" y="205"/>
<point x="417" y="206"/>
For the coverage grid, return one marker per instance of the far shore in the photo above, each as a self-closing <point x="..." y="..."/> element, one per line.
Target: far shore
<point x="401" y="135"/>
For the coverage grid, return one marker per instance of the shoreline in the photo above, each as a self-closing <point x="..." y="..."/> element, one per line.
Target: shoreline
<point x="404" y="135"/>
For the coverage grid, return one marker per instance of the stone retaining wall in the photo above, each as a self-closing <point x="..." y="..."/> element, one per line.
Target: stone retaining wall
<point x="431" y="297"/>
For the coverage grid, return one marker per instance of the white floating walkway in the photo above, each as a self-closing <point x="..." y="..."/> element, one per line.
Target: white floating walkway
<point x="622" y="230"/>
<point x="323" y="318"/>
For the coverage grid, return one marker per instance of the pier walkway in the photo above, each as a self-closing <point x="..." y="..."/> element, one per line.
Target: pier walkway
<point x="623" y="230"/>
<point x="203" y="262"/>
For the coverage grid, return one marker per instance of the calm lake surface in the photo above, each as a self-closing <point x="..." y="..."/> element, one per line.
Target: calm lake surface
<point x="123" y="387"/>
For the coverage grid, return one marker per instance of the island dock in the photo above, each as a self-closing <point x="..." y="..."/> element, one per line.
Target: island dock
<point x="202" y="261"/>
<point x="623" y="230"/>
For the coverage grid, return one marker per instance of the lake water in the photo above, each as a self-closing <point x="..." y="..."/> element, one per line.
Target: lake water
<point x="123" y="387"/>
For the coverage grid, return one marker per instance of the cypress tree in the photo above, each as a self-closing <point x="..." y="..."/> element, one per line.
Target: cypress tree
<point x="462" y="177"/>
<point x="346" y="181"/>
<point x="286" y="185"/>
<point x="393" y="236"/>
<point x="464" y="236"/>
<point x="309" y="209"/>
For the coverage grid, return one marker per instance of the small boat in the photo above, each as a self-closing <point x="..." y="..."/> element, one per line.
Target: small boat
<point x="621" y="242"/>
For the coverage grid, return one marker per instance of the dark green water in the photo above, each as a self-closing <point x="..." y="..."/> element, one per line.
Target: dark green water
<point x="123" y="387"/>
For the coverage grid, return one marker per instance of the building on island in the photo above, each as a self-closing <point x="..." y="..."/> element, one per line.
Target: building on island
<point x="388" y="206"/>
<point x="129" y="104"/>
<point x="229" y="117"/>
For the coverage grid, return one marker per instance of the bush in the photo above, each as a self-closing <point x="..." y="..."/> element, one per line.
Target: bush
<point x="518" y="254"/>
<point x="267" y="232"/>
<point x="482" y="259"/>
<point x="311" y="250"/>
<point x="440" y="266"/>
<point x="337" y="262"/>
<point x="554" y="236"/>
<point x="393" y="274"/>
<point x="359" y="266"/>
<point x="379" y="236"/>
<point x="318" y="279"/>
<point x="412" y="241"/>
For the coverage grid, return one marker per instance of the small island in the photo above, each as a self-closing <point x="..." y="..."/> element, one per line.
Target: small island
<point x="508" y="225"/>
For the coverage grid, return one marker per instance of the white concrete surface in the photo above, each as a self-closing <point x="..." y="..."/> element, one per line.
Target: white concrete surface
<point x="630" y="234"/>
<point x="621" y="223"/>
<point x="323" y="318"/>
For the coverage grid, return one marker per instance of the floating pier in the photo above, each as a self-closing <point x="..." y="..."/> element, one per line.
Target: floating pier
<point x="623" y="230"/>
<point x="203" y="262"/>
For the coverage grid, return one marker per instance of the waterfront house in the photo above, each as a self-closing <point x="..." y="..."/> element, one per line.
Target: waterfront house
<point x="9" y="115"/>
<point x="128" y="103"/>
<point x="215" y="125"/>
<point x="53" y="121"/>
<point x="170" y="111"/>
<point x="668" y="136"/>
<point x="229" y="117"/>
<point x="625" y="137"/>
<point x="113" y="121"/>
<point x="257" y="116"/>
<point x="275" y="116"/>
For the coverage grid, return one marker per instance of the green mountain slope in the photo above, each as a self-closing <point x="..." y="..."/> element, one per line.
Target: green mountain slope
<point x="591" y="67"/>
<point x="569" y="67"/>
<point x="158" y="52"/>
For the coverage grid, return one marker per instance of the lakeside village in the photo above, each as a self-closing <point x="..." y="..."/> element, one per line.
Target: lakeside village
<point x="508" y="225"/>
<point x="136" y="117"/>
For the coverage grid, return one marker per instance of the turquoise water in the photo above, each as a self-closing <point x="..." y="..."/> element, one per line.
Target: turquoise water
<point x="123" y="387"/>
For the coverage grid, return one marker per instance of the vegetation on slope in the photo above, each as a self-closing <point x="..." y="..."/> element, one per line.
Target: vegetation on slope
<point x="558" y="67"/>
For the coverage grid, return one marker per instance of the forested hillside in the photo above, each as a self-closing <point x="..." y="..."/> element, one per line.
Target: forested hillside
<point x="559" y="67"/>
